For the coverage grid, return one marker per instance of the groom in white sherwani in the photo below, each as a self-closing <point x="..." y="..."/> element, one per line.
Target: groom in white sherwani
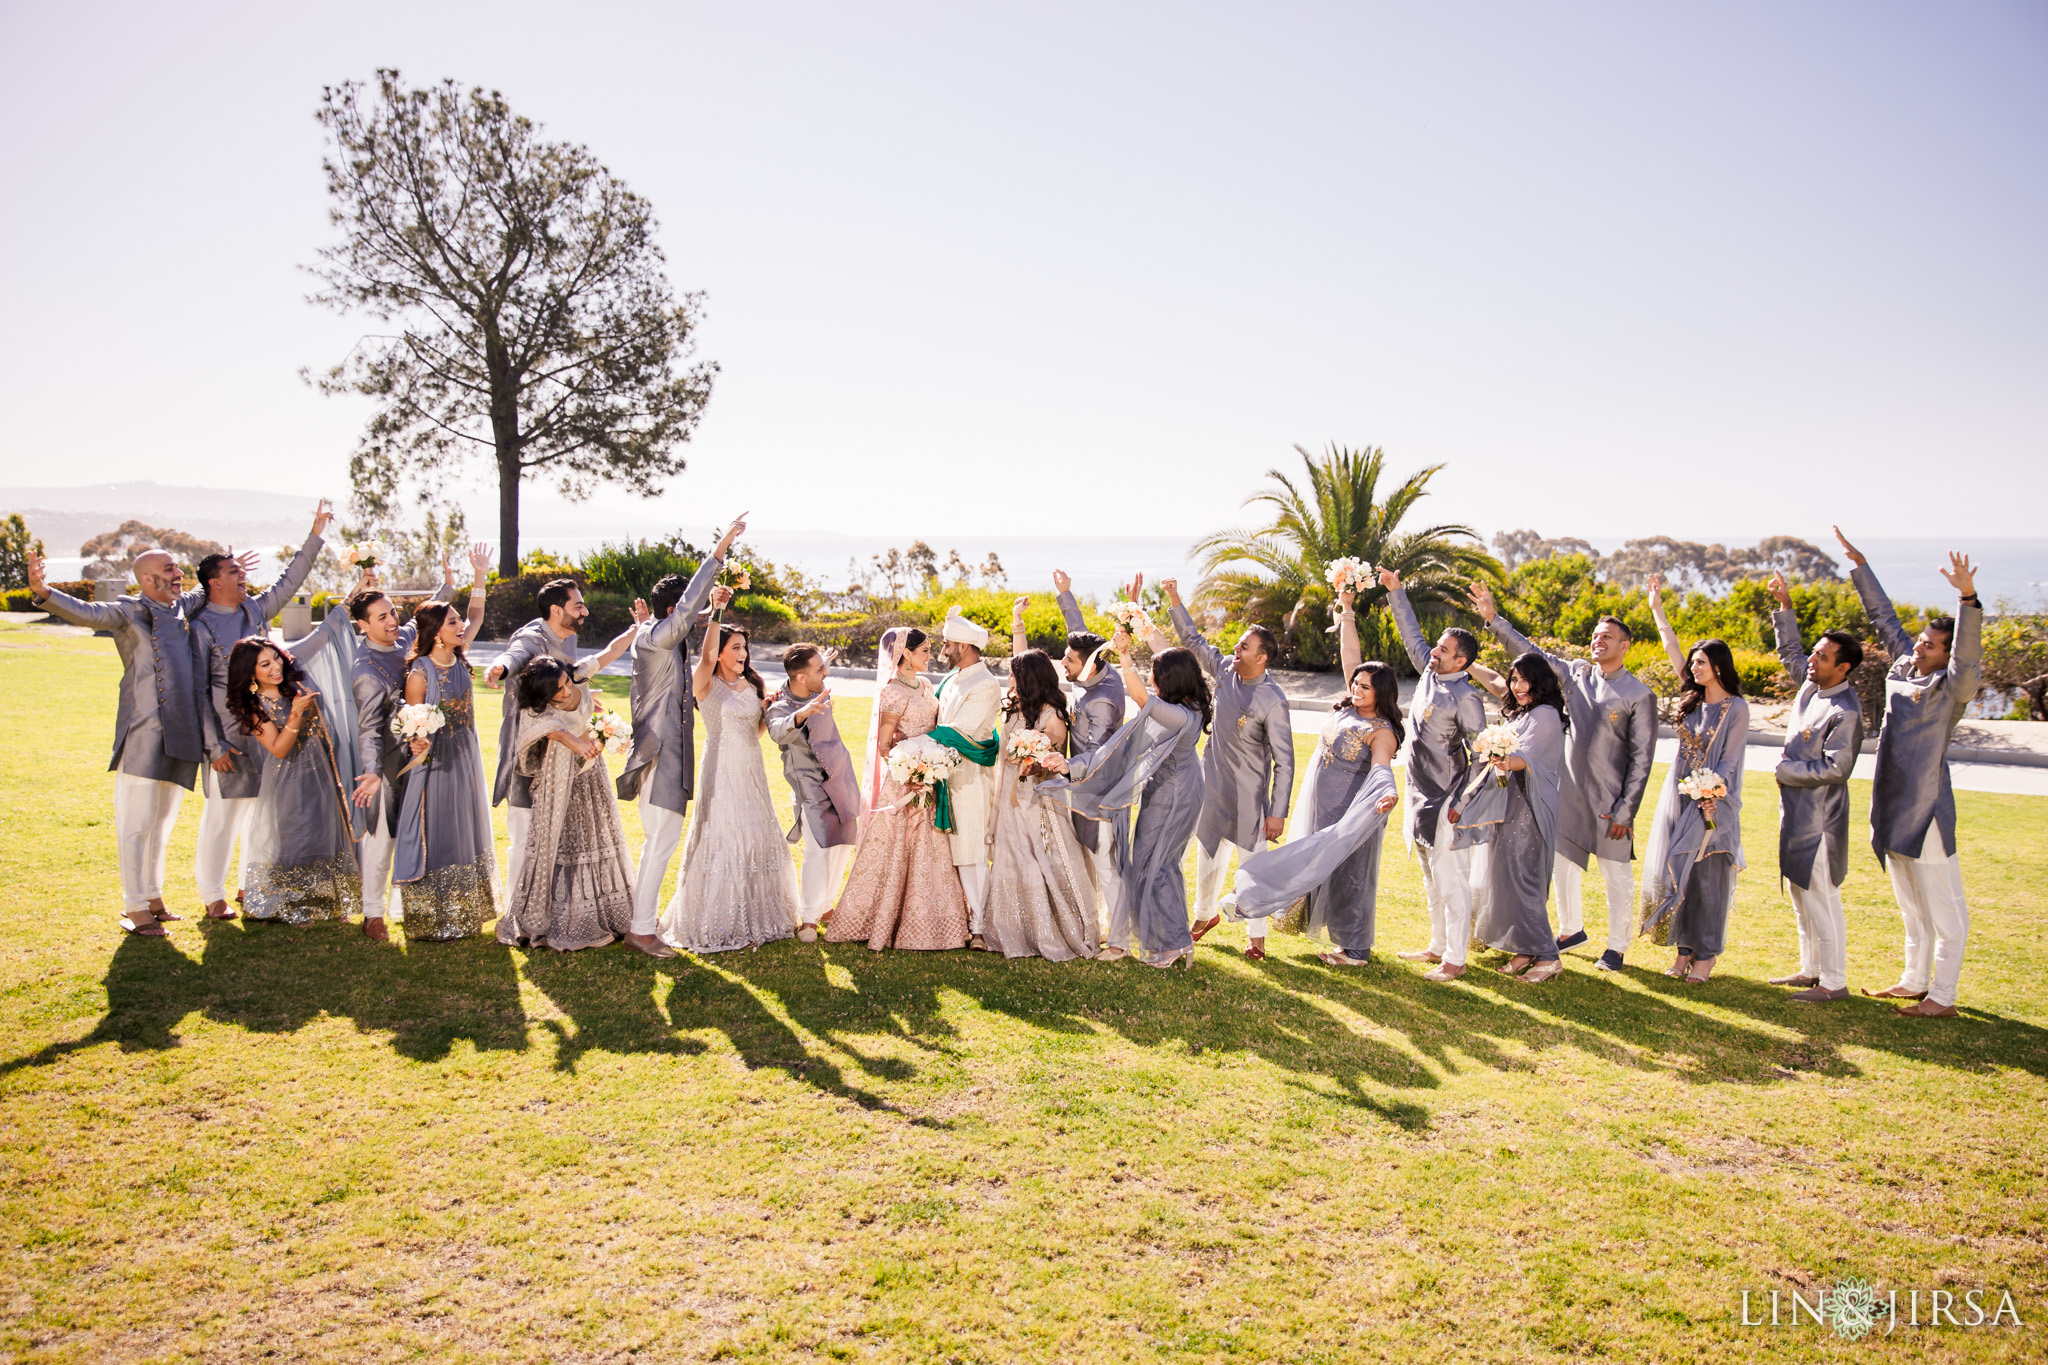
<point x="970" y="704"/>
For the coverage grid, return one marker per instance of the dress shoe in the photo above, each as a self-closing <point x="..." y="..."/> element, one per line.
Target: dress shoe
<point x="1894" y="993"/>
<point x="1816" y="995"/>
<point x="1797" y="980"/>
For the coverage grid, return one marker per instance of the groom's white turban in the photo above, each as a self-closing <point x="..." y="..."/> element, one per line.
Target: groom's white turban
<point x="960" y="630"/>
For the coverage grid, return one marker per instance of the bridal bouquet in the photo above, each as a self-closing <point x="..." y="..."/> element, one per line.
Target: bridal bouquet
<point x="1349" y="573"/>
<point x="610" y="730"/>
<point x="420" y="720"/>
<point x="1027" y="747"/>
<point x="921" y="763"/>
<point x="1495" y="741"/>
<point x="366" y="554"/>
<point x="1132" y="618"/>
<point x="1703" y="784"/>
<point x="736" y="577"/>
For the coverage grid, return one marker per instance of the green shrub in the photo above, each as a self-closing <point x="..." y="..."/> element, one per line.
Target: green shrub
<point x="1044" y="628"/>
<point x="634" y="567"/>
<point x="18" y="599"/>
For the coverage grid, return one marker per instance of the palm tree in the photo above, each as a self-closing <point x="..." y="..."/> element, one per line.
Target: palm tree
<point x="1337" y="512"/>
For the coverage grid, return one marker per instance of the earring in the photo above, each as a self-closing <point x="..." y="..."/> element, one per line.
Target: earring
<point x="254" y="689"/>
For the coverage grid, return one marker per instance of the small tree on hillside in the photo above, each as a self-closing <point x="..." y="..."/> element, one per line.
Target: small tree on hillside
<point x="113" y="552"/>
<point x="535" y="323"/>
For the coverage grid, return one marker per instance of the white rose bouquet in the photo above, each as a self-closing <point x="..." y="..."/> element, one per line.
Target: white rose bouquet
<point x="921" y="763"/>
<point x="1348" y="573"/>
<point x="419" y="720"/>
<point x="1495" y="741"/>
<point x="610" y="730"/>
<point x="367" y="554"/>
<point x="1027" y="748"/>
<point x="1132" y="618"/>
<point x="1703" y="784"/>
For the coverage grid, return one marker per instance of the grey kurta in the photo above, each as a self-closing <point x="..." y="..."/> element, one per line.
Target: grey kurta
<point x="1518" y="824"/>
<point x="1445" y="712"/>
<point x="1822" y="740"/>
<point x="215" y="631"/>
<point x="376" y="682"/>
<point x="1098" y="714"/>
<point x="1151" y="763"/>
<point x="528" y="643"/>
<point x="664" y="708"/>
<point x="1607" y="767"/>
<point x="819" y="771"/>
<point x="1909" y="790"/>
<point x="1335" y="866"/>
<point x="1248" y="764"/>
<point x="159" y="731"/>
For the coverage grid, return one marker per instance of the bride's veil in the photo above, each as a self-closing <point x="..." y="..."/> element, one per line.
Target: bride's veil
<point x="871" y="765"/>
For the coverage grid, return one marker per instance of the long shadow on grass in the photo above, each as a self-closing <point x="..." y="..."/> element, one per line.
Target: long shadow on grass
<point x="270" y="978"/>
<point x="610" y="997"/>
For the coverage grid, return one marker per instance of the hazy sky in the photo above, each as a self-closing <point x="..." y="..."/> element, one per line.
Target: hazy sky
<point x="1623" y="268"/>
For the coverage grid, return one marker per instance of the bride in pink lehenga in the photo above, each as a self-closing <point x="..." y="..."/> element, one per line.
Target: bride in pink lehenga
<point x="902" y="891"/>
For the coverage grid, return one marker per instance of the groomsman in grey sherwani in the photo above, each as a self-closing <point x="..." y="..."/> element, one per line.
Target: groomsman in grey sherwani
<point x="1098" y="714"/>
<point x="821" y="780"/>
<point x="234" y="774"/>
<point x="1444" y="714"/>
<point x="661" y="770"/>
<point x="1912" y="808"/>
<point x="1607" y="766"/>
<point x="159" y="729"/>
<point x="1822" y="739"/>
<point x="1247" y="764"/>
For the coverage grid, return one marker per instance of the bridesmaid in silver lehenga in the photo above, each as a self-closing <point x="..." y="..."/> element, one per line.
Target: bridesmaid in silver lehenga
<point x="1041" y="901"/>
<point x="738" y="885"/>
<point x="1149" y="763"/>
<point x="298" y="850"/>
<point x="1509" y="808"/>
<point x="1325" y="879"/>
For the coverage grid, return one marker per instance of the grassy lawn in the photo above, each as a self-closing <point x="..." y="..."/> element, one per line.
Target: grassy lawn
<point x="251" y="1140"/>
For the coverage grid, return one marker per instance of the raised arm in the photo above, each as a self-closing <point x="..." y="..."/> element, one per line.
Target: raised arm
<point x="1191" y="637"/>
<point x="1404" y="619"/>
<point x="1673" y="650"/>
<point x="1966" y="650"/>
<point x="1019" y="641"/>
<point x="479" y="575"/>
<point x="1070" y="610"/>
<point x="520" y="651"/>
<point x="321" y="636"/>
<point x="1839" y="748"/>
<point x="1348" y="653"/>
<point x="1493" y="682"/>
<point x="280" y="592"/>
<point x="707" y="653"/>
<point x="95" y="615"/>
<point x="1785" y="624"/>
<point x="1876" y="605"/>
<point x="1516" y="642"/>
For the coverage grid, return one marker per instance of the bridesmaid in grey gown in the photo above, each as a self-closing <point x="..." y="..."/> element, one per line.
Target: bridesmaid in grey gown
<point x="1041" y="899"/>
<point x="1689" y="873"/>
<point x="1150" y="763"/>
<point x="1510" y="806"/>
<point x="298" y="850"/>
<point x="447" y="858"/>
<point x="1326" y="877"/>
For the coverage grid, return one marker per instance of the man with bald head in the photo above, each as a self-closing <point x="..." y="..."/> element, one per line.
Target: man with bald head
<point x="159" y="731"/>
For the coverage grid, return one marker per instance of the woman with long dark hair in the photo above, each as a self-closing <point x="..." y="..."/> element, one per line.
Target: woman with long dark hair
<point x="1041" y="899"/>
<point x="299" y="860"/>
<point x="575" y="885"/>
<point x="446" y="856"/>
<point x="902" y="891"/>
<point x="1508" y="808"/>
<point x="1150" y="763"/>
<point x="1696" y="846"/>
<point x="1326" y="876"/>
<point x="737" y="888"/>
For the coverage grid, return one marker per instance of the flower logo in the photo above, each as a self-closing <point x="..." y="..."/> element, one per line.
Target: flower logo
<point x="1851" y="1307"/>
